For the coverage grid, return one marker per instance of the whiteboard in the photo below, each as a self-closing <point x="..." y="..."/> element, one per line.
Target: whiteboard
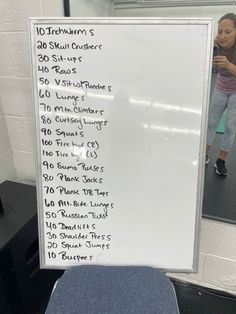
<point x="121" y="115"/>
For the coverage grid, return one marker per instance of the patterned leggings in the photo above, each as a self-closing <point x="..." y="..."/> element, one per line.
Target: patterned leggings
<point x="219" y="102"/>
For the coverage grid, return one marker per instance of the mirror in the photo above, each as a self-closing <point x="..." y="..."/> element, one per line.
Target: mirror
<point x="220" y="192"/>
<point x="219" y="201"/>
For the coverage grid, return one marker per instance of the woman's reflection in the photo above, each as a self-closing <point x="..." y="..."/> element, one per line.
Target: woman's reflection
<point x="224" y="95"/>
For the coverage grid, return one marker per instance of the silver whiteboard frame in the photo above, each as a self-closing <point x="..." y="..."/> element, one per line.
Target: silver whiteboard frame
<point x="209" y="22"/>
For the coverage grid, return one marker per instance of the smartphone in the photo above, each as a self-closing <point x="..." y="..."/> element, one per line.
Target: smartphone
<point x="215" y="51"/>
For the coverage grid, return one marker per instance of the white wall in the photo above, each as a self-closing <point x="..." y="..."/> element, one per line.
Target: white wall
<point x="7" y="169"/>
<point x="217" y="267"/>
<point x="195" y="11"/>
<point x="90" y="8"/>
<point x="218" y="240"/>
<point x="17" y="157"/>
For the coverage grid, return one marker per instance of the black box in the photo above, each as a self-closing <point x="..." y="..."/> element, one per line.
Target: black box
<point x="24" y="288"/>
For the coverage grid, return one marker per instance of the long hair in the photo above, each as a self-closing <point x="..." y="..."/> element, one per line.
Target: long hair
<point x="229" y="53"/>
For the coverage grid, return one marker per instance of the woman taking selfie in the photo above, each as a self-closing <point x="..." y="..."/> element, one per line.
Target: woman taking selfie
<point x="224" y="95"/>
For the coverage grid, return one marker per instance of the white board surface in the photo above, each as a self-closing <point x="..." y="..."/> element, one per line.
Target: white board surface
<point x="121" y="112"/>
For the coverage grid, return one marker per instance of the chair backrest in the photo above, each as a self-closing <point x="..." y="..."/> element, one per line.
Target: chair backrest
<point x="113" y="290"/>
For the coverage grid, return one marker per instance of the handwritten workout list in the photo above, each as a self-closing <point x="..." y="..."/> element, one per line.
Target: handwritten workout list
<point x="72" y="123"/>
<point x="119" y="125"/>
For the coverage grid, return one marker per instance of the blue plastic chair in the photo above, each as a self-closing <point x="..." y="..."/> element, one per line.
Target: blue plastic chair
<point x="113" y="290"/>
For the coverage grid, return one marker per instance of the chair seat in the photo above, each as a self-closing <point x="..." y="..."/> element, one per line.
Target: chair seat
<point x="113" y="290"/>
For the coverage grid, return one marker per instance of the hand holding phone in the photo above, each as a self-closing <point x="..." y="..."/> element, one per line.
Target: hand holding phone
<point x="221" y="61"/>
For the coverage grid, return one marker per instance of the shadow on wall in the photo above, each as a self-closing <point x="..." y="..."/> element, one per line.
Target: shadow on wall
<point x="7" y="167"/>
